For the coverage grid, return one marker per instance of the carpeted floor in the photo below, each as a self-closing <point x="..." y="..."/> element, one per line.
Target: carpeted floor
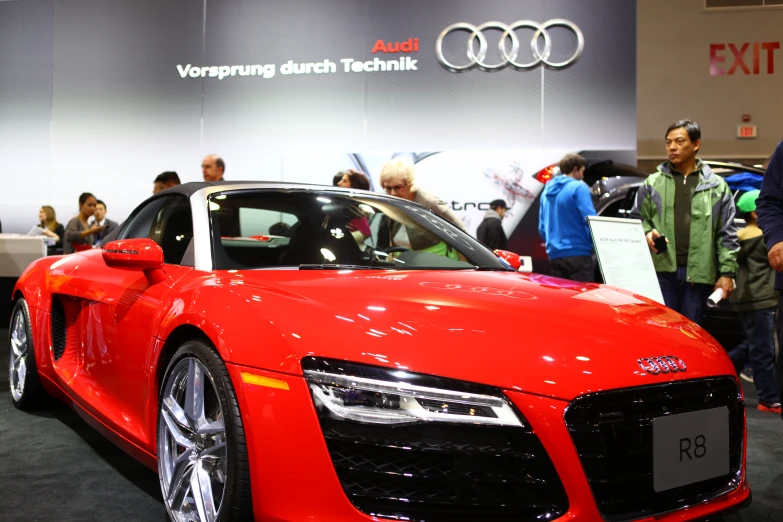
<point x="53" y="466"/>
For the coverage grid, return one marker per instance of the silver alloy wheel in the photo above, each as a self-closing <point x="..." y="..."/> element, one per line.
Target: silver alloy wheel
<point x="17" y="362"/>
<point x="192" y="455"/>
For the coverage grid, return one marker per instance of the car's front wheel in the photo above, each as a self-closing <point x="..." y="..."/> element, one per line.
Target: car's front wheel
<point x="26" y="389"/>
<point x="202" y="455"/>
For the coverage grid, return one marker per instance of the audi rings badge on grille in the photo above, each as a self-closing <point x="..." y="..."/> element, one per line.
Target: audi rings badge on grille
<point x="509" y="56"/>
<point x="663" y="364"/>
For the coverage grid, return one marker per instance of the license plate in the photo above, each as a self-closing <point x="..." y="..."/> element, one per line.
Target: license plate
<point x="690" y="447"/>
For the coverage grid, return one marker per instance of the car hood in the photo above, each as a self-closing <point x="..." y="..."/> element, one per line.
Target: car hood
<point x="532" y="333"/>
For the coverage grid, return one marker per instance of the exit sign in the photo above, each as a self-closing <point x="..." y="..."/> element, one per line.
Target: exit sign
<point x="746" y="131"/>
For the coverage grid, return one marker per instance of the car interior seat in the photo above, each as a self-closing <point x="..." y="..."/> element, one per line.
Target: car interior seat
<point x="176" y="234"/>
<point x="308" y="243"/>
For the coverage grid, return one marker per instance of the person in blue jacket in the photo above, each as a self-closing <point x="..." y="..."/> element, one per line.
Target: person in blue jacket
<point x="769" y="208"/>
<point x="562" y="222"/>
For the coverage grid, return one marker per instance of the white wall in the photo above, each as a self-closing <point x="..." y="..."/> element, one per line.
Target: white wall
<point x="93" y="98"/>
<point x="674" y="82"/>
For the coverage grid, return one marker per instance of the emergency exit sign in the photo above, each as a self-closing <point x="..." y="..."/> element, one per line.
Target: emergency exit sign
<point x="746" y="131"/>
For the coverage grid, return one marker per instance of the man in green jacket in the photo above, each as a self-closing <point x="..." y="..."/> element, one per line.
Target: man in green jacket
<point x="693" y="208"/>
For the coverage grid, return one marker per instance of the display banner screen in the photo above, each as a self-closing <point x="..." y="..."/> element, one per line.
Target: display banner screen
<point x="102" y="96"/>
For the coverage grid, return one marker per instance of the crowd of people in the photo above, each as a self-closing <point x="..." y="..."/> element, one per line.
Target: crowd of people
<point x="91" y="226"/>
<point x="688" y="216"/>
<point x="686" y="210"/>
<point x="84" y="231"/>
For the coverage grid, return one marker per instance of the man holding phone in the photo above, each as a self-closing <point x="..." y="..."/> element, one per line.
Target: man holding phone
<point x="687" y="212"/>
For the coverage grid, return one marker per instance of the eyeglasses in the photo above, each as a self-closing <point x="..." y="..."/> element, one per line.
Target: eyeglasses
<point x="394" y="188"/>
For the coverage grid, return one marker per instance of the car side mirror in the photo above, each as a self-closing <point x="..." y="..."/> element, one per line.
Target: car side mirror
<point x="517" y="262"/>
<point x="509" y="257"/>
<point x="136" y="254"/>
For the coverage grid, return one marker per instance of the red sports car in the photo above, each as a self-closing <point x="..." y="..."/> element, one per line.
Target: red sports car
<point x="303" y="353"/>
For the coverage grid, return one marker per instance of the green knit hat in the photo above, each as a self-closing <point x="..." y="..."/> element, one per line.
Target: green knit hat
<point x="747" y="202"/>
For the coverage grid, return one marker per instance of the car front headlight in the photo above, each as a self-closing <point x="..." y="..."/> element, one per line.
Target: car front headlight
<point x="375" y="395"/>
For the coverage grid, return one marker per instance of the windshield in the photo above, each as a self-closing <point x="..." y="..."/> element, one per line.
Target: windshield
<point x="308" y="229"/>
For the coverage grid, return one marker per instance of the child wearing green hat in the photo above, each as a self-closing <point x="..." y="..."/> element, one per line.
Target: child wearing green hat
<point x="756" y="301"/>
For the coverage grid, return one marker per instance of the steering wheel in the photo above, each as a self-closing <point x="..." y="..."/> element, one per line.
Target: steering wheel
<point x="394" y="249"/>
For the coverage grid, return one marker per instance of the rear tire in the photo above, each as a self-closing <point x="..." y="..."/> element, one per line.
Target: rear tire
<point x="26" y="390"/>
<point x="202" y="454"/>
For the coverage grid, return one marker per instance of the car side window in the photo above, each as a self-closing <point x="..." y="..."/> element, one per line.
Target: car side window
<point x="167" y="221"/>
<point x="262" y="222"/>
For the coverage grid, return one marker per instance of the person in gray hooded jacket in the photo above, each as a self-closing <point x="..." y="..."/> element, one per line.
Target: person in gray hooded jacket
<point x="490" y="231"/>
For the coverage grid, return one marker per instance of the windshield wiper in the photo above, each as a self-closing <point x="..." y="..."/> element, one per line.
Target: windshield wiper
<point x="493" y="269"/>
<point x="337" y="266"/>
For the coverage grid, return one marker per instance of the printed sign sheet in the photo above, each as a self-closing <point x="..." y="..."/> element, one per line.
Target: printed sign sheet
<point x="623" y="255"/>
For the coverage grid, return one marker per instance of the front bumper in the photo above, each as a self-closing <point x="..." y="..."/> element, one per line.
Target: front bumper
<point x="293" y="478"/>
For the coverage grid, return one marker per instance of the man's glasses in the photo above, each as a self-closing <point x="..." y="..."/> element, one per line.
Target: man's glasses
<point x="394" y="188"/>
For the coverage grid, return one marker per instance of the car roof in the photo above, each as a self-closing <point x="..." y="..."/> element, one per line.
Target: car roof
<point x="605" y="168"/>
<point x="192" y="187"/>
<point x="732" y="166"/>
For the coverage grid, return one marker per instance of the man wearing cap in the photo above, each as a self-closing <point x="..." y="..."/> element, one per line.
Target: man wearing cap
<point x="756" y="301"/>
<point x="562" y="222"/>
<point x="490" y="231"/>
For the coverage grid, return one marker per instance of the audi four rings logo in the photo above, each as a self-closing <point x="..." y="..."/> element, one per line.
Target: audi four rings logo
<point x="509" y="56"/>
<point x="664" y="364"/>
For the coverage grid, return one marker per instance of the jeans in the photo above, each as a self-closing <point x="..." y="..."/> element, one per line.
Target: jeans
<point x="758" y="350"/>
<point x="689" y="299"/>
<point x="779" y="354"/>
<point x="575" y="268"/>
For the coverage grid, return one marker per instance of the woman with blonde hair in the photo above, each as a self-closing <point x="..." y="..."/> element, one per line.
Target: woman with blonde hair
<point x="51" y="228"/>
<point x="398" y="179"/>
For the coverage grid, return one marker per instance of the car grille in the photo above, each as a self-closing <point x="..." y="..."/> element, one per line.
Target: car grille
<point x="612" y="432"/>
<point x="58" y="328"/>
<point x="445" y="472"/>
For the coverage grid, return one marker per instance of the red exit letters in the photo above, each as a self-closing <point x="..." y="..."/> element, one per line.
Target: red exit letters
<point x="738" y="56"/>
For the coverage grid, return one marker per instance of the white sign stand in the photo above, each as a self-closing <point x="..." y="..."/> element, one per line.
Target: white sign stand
<point x="623" y="255"/>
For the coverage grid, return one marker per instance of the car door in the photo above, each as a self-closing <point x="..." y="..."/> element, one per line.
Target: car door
<point x="119" y="310"/>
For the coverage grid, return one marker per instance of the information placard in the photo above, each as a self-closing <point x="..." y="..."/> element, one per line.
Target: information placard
<point x="623" y="255"/>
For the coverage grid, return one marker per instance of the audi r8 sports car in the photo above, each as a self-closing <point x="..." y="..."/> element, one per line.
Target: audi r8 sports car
<point x="364" y="364"/>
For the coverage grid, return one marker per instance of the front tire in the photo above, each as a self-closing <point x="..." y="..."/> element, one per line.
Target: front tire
<point x="202" y="454"/>
<point x="26" y="390"/>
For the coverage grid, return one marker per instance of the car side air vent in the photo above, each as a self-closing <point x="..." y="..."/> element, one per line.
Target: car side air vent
<point x="58" y="328"/>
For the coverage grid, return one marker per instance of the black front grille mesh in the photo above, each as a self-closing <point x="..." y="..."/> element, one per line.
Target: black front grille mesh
<point x="612" y="432"/>
<point x="445" y="472"/>
<point x="58" y="328"/>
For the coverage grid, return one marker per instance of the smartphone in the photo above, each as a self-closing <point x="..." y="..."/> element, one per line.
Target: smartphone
<point x="660" y="244"/>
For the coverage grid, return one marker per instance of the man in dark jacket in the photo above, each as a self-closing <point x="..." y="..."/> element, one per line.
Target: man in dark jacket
<point x="756" y="301"/>
<point x="101" y="220"/>
<point x="213" y="167"/>
<point x="490" y="231"/>
<point x="769" y="207"/>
